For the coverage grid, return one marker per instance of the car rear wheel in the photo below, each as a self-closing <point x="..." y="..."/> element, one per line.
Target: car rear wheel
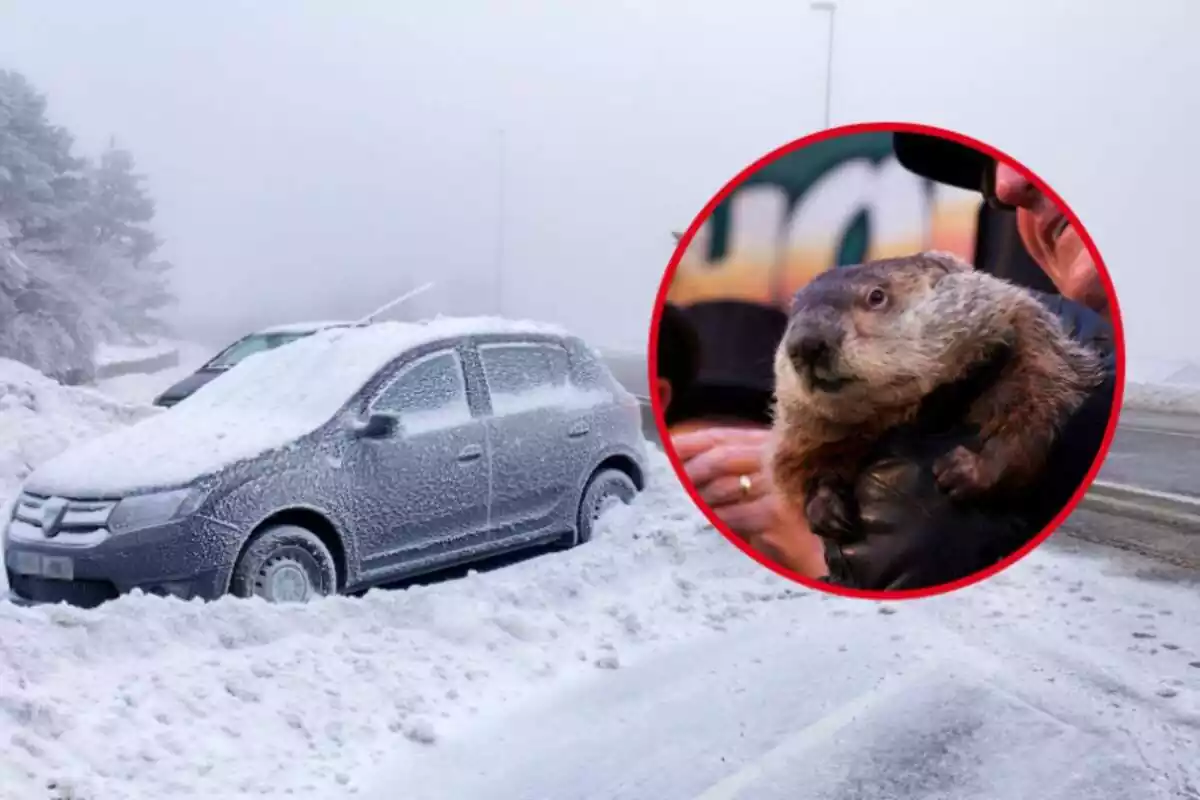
<point x="607" y="488"/>
<point x="285" y="564"/>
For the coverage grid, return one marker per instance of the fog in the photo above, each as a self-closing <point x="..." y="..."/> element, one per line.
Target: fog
<point x="312" y="159"/>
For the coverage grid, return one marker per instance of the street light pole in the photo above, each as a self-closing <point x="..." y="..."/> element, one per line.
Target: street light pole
<point x="832" y="9"/>
<point x="500" y="211"/>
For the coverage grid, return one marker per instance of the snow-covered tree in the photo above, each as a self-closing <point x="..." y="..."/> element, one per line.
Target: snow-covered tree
<point x="43" y="319"/>
<point x="77" y="263"/>
<point x="42" y="185"/>
<point x="120" y="247"/>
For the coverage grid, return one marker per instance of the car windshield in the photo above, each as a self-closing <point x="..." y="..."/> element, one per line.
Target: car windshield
<point x="255" y="343"/>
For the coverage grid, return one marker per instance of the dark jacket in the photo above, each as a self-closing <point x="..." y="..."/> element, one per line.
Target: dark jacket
<point x="913" y="536"/>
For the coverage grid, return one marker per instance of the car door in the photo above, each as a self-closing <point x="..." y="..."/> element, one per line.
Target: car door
<point x="535" y="440"/>
<point x="431" y="475"/>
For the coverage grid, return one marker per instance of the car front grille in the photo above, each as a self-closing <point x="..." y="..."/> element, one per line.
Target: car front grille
<point x="79" y="516"/>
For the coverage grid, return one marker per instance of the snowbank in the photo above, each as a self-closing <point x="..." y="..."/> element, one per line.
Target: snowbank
<point x="1164" y="398"/>
<point x="39" y="418"/>
<point x="148" y="698"/>
<point x="270" y="400"/>
<point x="1170" y="386"/>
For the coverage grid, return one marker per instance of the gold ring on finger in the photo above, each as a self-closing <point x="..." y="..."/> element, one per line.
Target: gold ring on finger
<point x="747" y="484"/>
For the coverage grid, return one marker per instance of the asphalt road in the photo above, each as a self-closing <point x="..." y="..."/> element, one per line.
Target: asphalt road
<point x="1156" y="451"/>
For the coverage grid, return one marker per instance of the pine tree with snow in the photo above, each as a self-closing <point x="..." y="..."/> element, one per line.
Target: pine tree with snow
<point x="121" y="246"/>
<point x="78" y="259"/>
<point x="45" y="318"/>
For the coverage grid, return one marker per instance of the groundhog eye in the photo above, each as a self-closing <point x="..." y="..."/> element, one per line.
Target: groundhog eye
<point x="876" y="298"/>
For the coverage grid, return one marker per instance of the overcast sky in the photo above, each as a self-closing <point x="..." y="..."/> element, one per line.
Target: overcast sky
<point x="313" y="159"/>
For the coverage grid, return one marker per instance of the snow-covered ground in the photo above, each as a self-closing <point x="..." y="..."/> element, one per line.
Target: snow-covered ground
<point x="1165" y="386"/>
<point x="1162" y="398"/>
<point x="654" y="662"/>
<point x="39" y="418"/>
<point x="1066" y="678"/>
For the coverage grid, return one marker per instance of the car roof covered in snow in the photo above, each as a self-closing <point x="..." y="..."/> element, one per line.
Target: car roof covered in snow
<point x="306" y="327"/>
<point x="267" y="402"/>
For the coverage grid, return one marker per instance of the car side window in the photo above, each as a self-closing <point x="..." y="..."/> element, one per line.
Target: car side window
<point x="524" y="376"/>
<point x="429" y="394"/>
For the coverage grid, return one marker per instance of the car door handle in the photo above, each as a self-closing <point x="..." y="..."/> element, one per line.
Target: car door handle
<point x="470" y="453"/>
<point x="580" y="428"/>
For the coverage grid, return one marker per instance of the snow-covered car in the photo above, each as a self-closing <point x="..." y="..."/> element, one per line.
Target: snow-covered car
<point x="231" y="356"/>
<point x="351" y="458"/>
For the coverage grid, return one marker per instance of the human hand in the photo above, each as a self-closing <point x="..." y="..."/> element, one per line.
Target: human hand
<point x="727" y="467"/>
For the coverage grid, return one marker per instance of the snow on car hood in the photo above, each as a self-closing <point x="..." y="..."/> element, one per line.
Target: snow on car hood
<point x="265" y="403"/>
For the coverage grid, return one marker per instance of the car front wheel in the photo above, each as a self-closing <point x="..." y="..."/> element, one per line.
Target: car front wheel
<point x="285" y="564"/>
<point x="607" y="488"/>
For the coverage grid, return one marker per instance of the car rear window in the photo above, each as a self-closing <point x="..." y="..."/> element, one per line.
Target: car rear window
<point x="590" y="372"/>
<point x="524" y="375"/>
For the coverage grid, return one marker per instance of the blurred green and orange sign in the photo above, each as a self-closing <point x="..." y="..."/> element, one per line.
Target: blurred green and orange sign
<point x="840" y="201"/>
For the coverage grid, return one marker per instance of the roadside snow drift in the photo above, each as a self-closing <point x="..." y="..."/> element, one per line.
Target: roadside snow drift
<point x="39" y="418"/>
<point x="1164" y="398"/>
<point x="151" y="698"/>
<point x="270" y="400"/>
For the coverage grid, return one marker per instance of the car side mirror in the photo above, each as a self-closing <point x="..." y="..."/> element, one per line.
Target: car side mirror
<point x="376" y="425"/>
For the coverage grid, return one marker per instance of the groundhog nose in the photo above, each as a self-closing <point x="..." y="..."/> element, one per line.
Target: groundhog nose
<point x="810" y="350"/>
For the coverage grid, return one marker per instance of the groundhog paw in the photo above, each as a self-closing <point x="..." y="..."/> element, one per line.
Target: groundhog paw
<point x="961" y="473"/>
<point x="828" y="513"/>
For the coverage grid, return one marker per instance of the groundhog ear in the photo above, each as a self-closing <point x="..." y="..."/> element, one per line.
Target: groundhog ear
<point x="946" y="263"/>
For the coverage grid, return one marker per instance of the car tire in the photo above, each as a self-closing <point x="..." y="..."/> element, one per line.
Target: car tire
<point x="605" y="487"/>
<point x="285" y="563"/>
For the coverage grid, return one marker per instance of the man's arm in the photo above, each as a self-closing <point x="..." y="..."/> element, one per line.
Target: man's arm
<point x="1085" y="326"/>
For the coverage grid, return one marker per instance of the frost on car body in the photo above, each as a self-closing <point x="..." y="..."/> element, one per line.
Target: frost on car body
<point x="351" y="457"/>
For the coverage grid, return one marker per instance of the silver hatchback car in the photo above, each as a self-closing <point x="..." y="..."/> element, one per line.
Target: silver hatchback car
<point x="352" y="457"/>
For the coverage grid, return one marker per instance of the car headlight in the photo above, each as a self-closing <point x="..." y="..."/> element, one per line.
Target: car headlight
<point x="148" y="510"/>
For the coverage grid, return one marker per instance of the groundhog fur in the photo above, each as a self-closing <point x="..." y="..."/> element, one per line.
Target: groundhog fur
<point x="866" y="344"/>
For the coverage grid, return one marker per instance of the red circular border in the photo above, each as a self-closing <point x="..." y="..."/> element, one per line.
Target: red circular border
<point x="885" y="127"/>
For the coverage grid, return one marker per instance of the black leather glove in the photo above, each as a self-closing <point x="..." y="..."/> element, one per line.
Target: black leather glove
<point x="911" y="535"/>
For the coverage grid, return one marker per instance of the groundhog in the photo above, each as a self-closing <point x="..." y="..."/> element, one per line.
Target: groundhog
<point x="866" y="344"/>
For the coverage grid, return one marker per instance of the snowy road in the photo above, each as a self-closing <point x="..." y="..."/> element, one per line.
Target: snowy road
<point x="1156" y="451"/>
<point x="1066" y="678"/>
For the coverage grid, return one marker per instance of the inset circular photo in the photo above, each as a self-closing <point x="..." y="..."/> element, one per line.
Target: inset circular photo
<point x="888" y="360"/>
